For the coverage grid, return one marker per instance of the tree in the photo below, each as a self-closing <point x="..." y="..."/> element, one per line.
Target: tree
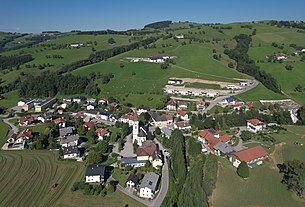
<point x="299" y="88"/>
<point x="135" y="146"/>
<point x="294" y="176"/>
<point x="111" y="41"/>
<point x="288" y="67"/>
<point x="243" y="170"/>
<point x="91" y="136"/>
<point x="164" y="65"/>
<point x="246" y="135"/>
<point x="149" y="136"/>
<point x="102" y="146"/>
<point x="93" y="157"/>
<point x="301" y="114"/>
<point x="231" y="65"/>
<point x="158" y="131"/>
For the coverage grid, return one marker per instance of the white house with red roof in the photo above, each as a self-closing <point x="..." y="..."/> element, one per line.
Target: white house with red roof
<point x="103" y="101"/>
<point x="183" y="115"/>
<point x="200" y="105"/>
<point x="26" y="134"/>
<point x="89" y="125"/>
<point x="237" y="107"/>
<point x="101" y="133"/>
<point x="128" y="118"/>
<point x="171" y="105"/>
<point x="60" y="122"/>
<point x="25" y="120"/>
<point x="255" y="125"/>
<point x="149" y="151"/>
<point x="211" y="137"/>
<point x="253" y="155"/>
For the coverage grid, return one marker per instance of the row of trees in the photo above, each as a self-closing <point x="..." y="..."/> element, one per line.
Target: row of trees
<point x="8" y="62"/>
<point x="158" y="25"/>
<point x="246" y="65"/>
<point x="105" y="54"/>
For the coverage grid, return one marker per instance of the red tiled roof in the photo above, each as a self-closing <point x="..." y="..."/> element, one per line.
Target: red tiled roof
<point x="168" y="117"/>
<point x="225" y="138"/>
<point x="104" y="99"/>
<point x="26" y="133"/>
<point x="101" y="132"/>
<point x="251" y="154"/>
<point x="80" y="115"/>
<point x="60" y="120"/>
<point x="236" y="105"/>
<point x="88" y="124"/>
<point x="255" y="122"/>
<point x="28" y="118"/>
<point x="250" y="105"/>
<point x="171" y="102"/>
<point x="149" y="148"/>
<point x="129" y="116"/>
<point x="181" y="113"/>
<point x="209" y="136"/>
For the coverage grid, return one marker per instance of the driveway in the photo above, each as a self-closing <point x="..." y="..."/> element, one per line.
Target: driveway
<point x="14" y="129"/>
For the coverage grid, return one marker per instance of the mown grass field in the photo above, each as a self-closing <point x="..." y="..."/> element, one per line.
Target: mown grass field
<point x="27" y="178"/>
<point x="4" y="129"/>
<point x="263" y="187"/>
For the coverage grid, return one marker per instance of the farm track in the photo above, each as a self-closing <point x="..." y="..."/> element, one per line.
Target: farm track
<point x="27" y="178"/>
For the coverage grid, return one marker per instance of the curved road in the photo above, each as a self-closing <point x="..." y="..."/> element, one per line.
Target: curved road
<point x="14" y="129"/>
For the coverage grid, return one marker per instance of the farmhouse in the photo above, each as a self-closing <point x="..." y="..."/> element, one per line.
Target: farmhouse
<point x="148" y="186"/>
<point x="149" y="152"/>
<point x="101" y="133"/>
<point x="25" y="120"/>
<point x="179" y="36"/>
<point x="103" y="101"/>
<point x="70" y="152"/>
<point x="158" y="58"/>
<point x="252" y="156"/>
<point x="280" y="56"/>
<point x="76" y="45"/>
<point x="255" y="125"/>
<point x="211" y="137"/>
<point x="95" y="173"/>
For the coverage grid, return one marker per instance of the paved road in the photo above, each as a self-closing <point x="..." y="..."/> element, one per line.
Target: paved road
<point x="220" y="98"/>
<point x="14" y="129"/>
<point x="164" y="182"/>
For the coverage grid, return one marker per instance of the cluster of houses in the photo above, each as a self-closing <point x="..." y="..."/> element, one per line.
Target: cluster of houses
<point x="220" y="145"/>
<point x="154" y="58"/>
<point x="199" y="92"/>
<point x="235" y="104"/>
<point x="280" y="56"/>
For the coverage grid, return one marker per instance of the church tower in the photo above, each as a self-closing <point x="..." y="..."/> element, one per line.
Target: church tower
<point x="135" y="128"/>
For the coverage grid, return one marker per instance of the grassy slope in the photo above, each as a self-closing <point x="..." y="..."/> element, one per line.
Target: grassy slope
<point x="264" y="187"/>
<point x="27" y="178"/>
<point x="4" y="128"/>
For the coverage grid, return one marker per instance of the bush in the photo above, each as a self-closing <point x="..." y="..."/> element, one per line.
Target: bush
<point x="243" y="170"/>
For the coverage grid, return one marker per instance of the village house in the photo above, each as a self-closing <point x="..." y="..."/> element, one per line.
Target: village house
<point x="91" y="101"/>
<point x="222" y="149"/>
<point x="67" y="100"/>
<point x="184" y="126"/>
<point x="148" y="186"/>
<point x="182" y="105"/>
<point x="255" y="125"/>
<point x="132" y="182"/>
<point x="243" y="83"/>
<point x="237" y="107"/>
<point x="25" y="120"/>
<point x="211" y="137"/>
<point x="132" y="162"/>
<point x="95" y="173"/>
<point x="158" y="58"/>
<point x="101" y="133"/>
<point x="114" y="117"/>
<point x="179" y="36"/>
<point x="182" y="115"/>
<point x="252" y="156"/>
<point x="150" y="152"/>
<point x="78" y="99"/>
<point x="142" y="109"/>
<point x="90" y="107"/>
<point x="161" y="120"/>
<point x="171" y="105"/>
<point x="128" y="118"/>
<point x="103" y="101"/>
<point x="89" y="125"/>
<point x="66" y="131"/>
<point x="104" y="115"/>
<point x="76" y="45"/>
<point x="60" y="122"/>
<point x="200" y="105"/>
<point x="26" y="134"/>
<point x="71" y="152"/>
<point x="230" y="101"/>
<point x="70" y="140"/>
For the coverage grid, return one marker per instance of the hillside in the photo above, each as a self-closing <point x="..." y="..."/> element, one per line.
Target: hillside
<point x="199" y="55"/>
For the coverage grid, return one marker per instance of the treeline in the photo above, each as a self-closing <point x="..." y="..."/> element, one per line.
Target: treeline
<point x="189" y="187"/>
<point x="105" y="54"/>
<point x="246" y="65"/>
<point x="158" y="25"/>
<point x="48" y="84"/>
<point x="103" y="32"/>
<point x="8" y="62"/>
<point x="8" y="39"/>
<point x="289" y="24"/>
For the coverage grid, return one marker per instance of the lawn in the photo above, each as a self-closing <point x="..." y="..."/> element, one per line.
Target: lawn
<point x="120" y="176"/>
<point x="27" y="178"/>
<point x="262" y="189"/>
<point x="4" y="128"/>
<point x="10" y="99"/>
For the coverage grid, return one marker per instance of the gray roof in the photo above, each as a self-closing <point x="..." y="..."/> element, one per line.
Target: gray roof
<point x="156" y="117"/>
<point x="70" y="150"/>
<point x="66" y="131"/>
<point x="223" y="147"/>
<point x="131" y="160"/>
<point x="150" y="181"/>
<point x="69" y="139"/>
<point x="133" y="178"/>
<point x="166" y="131"/>
<point x="95" y="170"/>
<point x="141" y="133"/>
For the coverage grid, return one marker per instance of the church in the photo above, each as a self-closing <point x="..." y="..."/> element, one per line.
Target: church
<point x="138" y="133"/>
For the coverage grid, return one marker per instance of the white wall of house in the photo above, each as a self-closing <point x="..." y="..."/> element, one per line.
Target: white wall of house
<point x="253" y="128"/>
<point x="70" y="156"/>
<point x="146" y="193"/>
<point x="93" y="179"/>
